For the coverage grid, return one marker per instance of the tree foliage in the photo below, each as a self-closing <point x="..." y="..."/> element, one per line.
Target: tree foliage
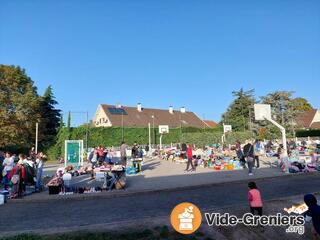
<point x="50" y="118"/>
<point x="19" y="107"/>
<point x="240" y="112"/>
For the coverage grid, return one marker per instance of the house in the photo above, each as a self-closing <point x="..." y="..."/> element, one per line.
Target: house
<point x="309" y="119"/>
<point x="124" y="116"/>
<point x="210" y="123"/>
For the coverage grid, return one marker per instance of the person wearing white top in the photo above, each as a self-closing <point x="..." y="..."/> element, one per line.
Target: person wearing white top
<point x="39" y="163"/>
<point x="7" y="164"/>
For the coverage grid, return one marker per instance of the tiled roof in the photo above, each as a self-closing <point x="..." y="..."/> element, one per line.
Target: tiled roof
<point x="305" y="118"/>
<point x="210" y="124"/>
<point x="315" y="125"/>
<point x="134" y="118"/>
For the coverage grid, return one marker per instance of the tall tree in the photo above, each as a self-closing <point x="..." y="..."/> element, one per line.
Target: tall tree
<point x="50" y="118"/>
<point x="300" y="104"/>
<point x="285" y="109"/>
<point x="19" y="107"/>
<point x="240" y="114"/>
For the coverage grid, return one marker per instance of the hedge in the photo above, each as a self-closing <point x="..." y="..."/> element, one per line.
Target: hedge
<point x="112" y="136"/>
<point x="308" y="133"/>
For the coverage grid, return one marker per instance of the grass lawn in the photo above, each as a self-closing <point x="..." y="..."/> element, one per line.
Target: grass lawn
<point x="157" y="233"/>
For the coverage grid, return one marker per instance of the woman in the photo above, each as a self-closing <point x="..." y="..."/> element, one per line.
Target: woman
<point x="7" y="165"/>
<point x="39" y="165"/>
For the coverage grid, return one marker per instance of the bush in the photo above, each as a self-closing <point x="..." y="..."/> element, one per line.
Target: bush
<point x="308" y="133"/>
<point x="113" y="136"/>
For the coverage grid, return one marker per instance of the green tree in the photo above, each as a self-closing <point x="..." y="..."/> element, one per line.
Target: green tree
<point x="19" y="108"/>
<point x="240" y="112"/>
<point x="300" y="104"/>
<point x="285" y="109"/>
<point x="50" y="118"/>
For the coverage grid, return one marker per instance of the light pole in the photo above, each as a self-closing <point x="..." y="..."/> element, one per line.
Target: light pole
<point x="153" y="135"/>
<point x="122" y="132"/>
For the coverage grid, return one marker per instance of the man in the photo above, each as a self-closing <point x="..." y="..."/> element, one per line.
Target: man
<point x="93" y="159"/>
<point x="123" y="153"/>
<point x="257" y="150"/>
<point x="248" y="153"/>
<point x="189" y="155"/>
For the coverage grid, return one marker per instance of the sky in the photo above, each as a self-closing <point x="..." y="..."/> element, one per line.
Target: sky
<point x="171" y="52"/>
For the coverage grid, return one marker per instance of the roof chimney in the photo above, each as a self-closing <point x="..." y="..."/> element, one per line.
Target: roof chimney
<point x="118" y="105"/>
<point x="139" y="107"/>
<point x="182" y="109"/>
<point x="171" y="109"/>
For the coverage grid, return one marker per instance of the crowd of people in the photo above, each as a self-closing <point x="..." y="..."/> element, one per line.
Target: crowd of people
<point x="20" y="171"/>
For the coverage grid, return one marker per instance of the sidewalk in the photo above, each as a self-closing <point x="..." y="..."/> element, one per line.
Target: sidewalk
<point x="162" y="175"/>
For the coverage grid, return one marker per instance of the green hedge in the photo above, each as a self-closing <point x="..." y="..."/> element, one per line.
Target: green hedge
<point x="308" y="133"/>
<point x="113" y="136"/>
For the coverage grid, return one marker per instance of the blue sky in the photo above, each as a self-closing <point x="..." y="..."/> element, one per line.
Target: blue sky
<point x="161" y="53"/>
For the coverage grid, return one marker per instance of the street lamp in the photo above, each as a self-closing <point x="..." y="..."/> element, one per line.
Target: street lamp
<point x="153" y="135"/>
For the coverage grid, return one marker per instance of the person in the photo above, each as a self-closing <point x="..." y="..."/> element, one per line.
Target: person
<point x="240" y="155"/>
<point x="257" y="150"/>
<point x="134" y="150"/>
<point x="189" y="155"/>
<point x="32" y="154"/>
<point x="123" y="153"/>
<point x="269" y="146"/>
<point x="1" y="162"/>
<point x="255" y="200"/>
<point x="7" y="165"/>
<point x="93" y="158"/>
<point x="314" y="213"/>
<point x="147" y="150"/>
<point x="41" y="158"/>
<point x="184" y="148"/>
<point x="101" y="155"/>
<point x="249" y="156"/>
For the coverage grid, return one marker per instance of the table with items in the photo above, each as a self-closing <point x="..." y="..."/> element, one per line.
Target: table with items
<point x="111" y="176"/>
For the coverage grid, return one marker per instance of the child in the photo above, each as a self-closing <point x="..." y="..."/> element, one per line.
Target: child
<point x="254" y="198"/>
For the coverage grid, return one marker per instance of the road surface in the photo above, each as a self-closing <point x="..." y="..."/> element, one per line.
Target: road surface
<point x="24" y="216"/>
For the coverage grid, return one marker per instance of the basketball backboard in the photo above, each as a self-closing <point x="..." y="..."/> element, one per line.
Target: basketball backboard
<point x="262" y="112"/>
<point x="163" y="129"/>
<point x="227" y="128"/>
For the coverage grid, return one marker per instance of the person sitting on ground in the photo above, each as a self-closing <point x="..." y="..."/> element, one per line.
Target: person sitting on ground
<point x="314" y="213"/>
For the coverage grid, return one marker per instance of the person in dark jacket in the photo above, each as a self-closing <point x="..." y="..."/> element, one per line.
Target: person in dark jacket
<point x="248" y="153"/>
<point x="314" y="213"/>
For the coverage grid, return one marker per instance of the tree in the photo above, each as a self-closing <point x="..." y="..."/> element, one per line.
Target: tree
<point x="19" y="107"/>
<point x="50" y="118"/>
<point x="300" y="104"/>
<point x="240" y="112"/>
<point x="285" y="109"/>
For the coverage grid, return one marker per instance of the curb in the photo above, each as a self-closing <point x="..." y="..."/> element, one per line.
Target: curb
<point x="106" y="195"/>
